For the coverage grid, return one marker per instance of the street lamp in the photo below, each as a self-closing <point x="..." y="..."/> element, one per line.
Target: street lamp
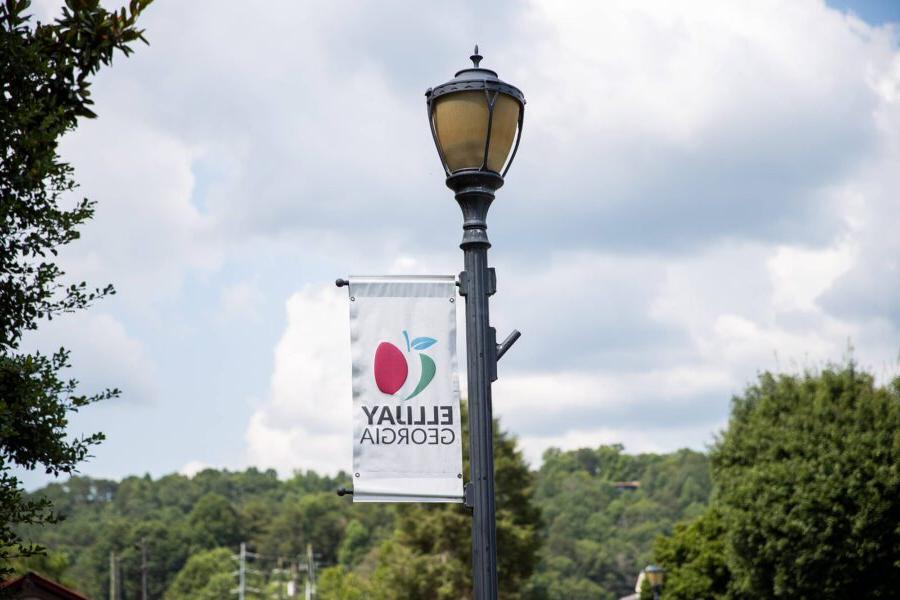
<point x="656" y="575"/>
<point x="476" y="122"/>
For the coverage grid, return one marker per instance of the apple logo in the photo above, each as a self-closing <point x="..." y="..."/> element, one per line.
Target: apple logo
<point x="391" y="368"/>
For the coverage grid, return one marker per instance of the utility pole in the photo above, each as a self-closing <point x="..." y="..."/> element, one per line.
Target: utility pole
<point x="292" y="584"/>
<point x="242" y="572"/>
<point x="310" y="573"/>
<point x="112" y="576"/>
<point x="143" y="568"/>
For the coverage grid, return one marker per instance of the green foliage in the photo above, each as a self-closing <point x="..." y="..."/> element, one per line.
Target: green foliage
<point x="429" y="553"/>
<point x="337" y="583"/>
<point x="694" y="556"/>
<point x="47" y="71"/>
<point x="215" y="522"/>
<point x="598" y="537"/>
<point x="356" y="542"/>
<point x="808" y="474"/>
<point x="176" y="516"/>
<point x="206" y="576"/>
<point x="808" y="495"/>
<point x="426" y="557"/>
<point x="52" y="565"/>
<point x="318" y="519"/>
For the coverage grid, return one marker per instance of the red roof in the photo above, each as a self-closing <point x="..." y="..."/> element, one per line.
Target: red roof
<point x="32" y="581"/>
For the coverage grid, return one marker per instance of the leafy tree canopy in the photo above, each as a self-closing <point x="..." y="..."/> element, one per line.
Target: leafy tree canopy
<point x="428" y="553"/>
<point x="808" y="495"/>
<point x="206" y="576"/>
<point x="47" y="71"/>
<point x="695" y="557"/>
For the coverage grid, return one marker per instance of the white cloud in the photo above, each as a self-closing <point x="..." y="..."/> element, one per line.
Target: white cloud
<point x="703" y="190"/>
<point x="193" y="467"/>
<point x="103" y="354"/>
<point x="696" y="168"/>
<point x="683" y="334"/>
<point x="673" y="125"/>
<point x="241" y="301"/>
<point x="800" y="275"/>
<point x="305" y="421"/>
<point x="146" y="235"/>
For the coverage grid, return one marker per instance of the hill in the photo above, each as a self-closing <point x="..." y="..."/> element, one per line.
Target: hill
<point x="595" y="533"/>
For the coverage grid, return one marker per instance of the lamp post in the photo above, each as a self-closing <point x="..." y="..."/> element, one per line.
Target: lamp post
<point x="476" y="122"/>
<point x="655" y="576"/>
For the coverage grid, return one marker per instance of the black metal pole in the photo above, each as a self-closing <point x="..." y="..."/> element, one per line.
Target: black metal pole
<point x="475" y="192"/>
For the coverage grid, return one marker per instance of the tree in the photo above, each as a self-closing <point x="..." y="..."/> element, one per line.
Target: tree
<point x="215" y="522"/>
<point x="318" y="519"/>
<point x="356" y="543"/>
<point x="336" y="583"/>
<point x="598" y="537"/>
<point x="52" y="565"/>
<point x="428" y="555"/>
<point x="808" y="474"/>
<point x="206" y="576"/>
<point x="807" y="501"/>
<point x="694" y="556"/>
<point x="47" y="71"/>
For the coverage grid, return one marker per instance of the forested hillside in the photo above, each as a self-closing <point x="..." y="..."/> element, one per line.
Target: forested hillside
<point x="566" y="531"/>
<point x="597" y="537"/>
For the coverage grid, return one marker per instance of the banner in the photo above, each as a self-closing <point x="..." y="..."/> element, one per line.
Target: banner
<point x="406" y="429"/>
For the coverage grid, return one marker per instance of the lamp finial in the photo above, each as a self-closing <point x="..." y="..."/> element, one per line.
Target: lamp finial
<point x="476" y="58"/>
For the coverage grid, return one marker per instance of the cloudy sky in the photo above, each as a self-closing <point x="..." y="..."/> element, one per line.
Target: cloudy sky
<point x="704" y="190"/>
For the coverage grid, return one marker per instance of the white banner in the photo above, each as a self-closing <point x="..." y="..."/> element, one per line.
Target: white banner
<point x="406" y="429"/>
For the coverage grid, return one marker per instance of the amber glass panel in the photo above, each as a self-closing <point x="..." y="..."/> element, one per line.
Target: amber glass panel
<point x="460" y="120"/>
<point x="503" y="131"/>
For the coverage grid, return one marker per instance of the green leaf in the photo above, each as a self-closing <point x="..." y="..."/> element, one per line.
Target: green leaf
<point x="428" y="371"/>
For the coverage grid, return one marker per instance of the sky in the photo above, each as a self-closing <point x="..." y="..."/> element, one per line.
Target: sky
<point x="704" y="191"/>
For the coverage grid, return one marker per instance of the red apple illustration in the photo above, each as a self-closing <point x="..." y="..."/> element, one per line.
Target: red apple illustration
<point x="390" y="368"/>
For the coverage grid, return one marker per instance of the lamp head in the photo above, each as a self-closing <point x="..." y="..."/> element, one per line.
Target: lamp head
<point x="655" y="575"/>
<point x="476" y="121"/>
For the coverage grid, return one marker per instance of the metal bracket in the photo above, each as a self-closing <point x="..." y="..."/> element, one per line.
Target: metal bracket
<point x="469" y="496"/>
<point x="508" y="343"/>
<point x="463" y="283"/>
<point x="492" y="359"/>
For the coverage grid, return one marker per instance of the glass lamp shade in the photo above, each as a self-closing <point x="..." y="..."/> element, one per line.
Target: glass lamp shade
<point x="655" y="575"/>
<point x="461" y="127"/>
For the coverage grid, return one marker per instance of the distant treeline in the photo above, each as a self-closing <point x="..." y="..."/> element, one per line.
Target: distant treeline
<point x="565" y="530"/>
